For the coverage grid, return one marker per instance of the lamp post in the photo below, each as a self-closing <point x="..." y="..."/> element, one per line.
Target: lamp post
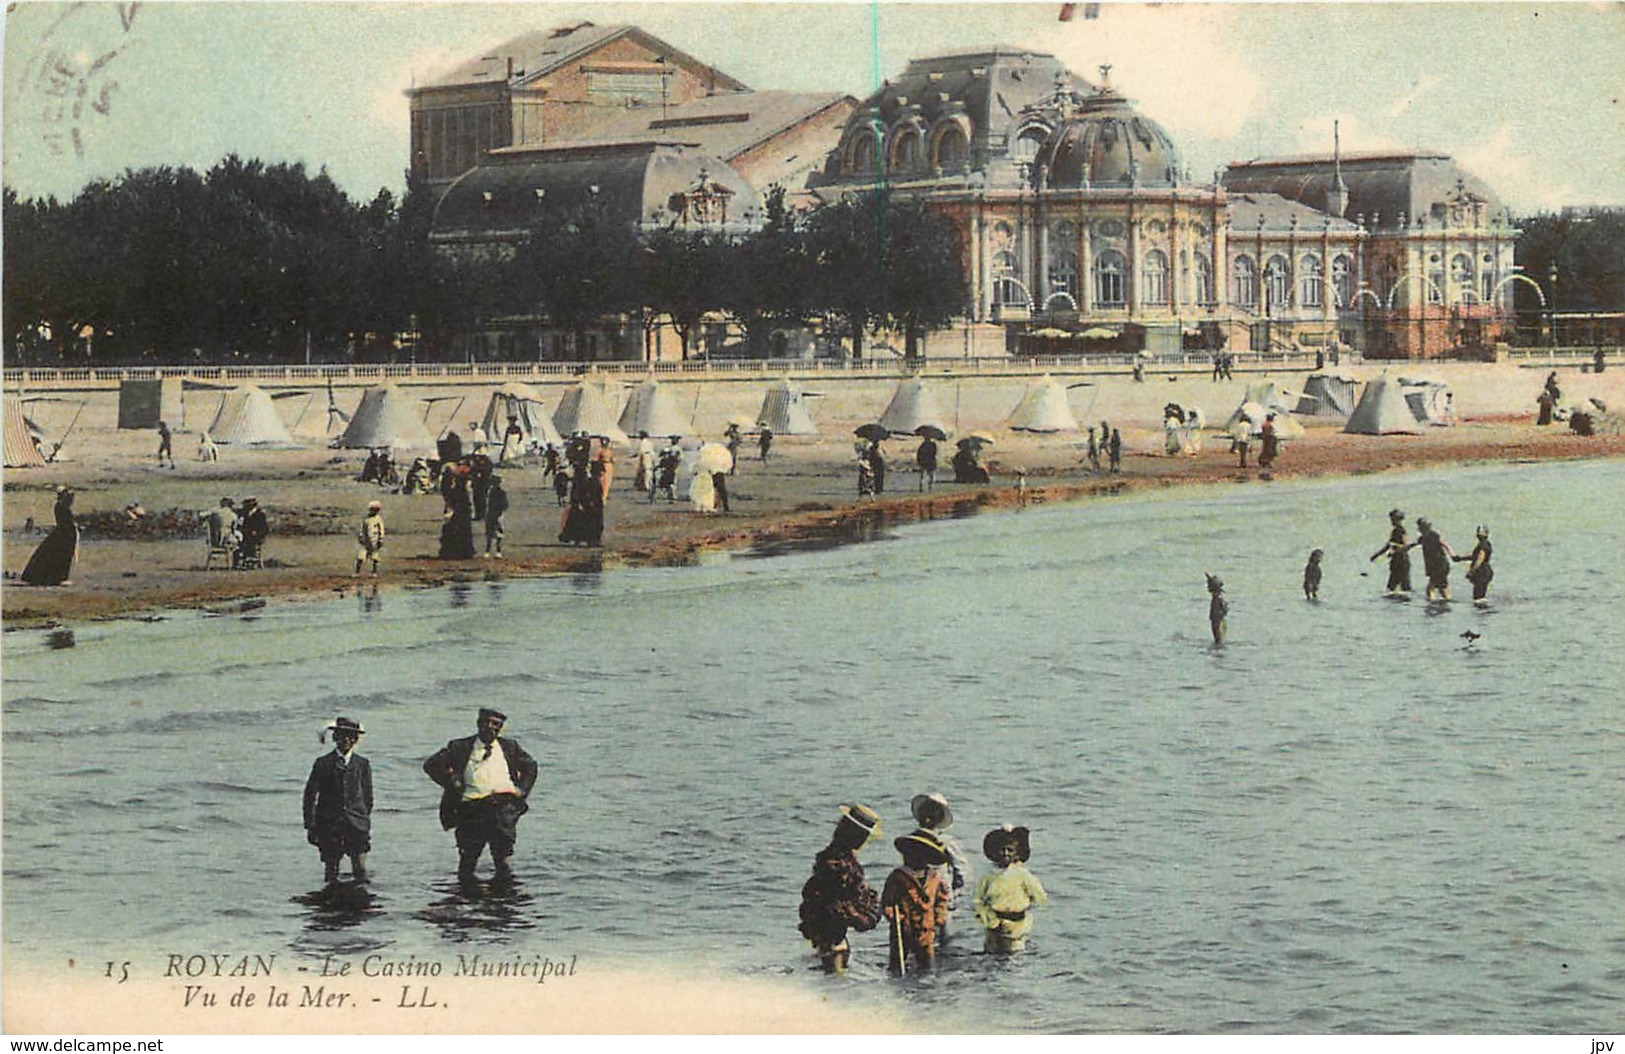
<point x="1551" y="301"/>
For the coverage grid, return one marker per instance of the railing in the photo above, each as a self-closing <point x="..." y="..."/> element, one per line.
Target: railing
<point x="481" y="372"/>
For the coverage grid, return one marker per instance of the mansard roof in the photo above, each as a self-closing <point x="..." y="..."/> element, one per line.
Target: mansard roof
<point x="1278" y="214"/>
<point x="724" y="125"/>
<point x="541" y="52"/>
<point x="1382" y="185"/>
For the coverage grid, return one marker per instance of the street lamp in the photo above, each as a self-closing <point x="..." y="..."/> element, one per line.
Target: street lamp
<point x="1551" y="305"/>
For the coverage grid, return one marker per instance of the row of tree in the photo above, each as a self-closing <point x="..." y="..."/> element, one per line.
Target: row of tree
<point x="258" y="262"/>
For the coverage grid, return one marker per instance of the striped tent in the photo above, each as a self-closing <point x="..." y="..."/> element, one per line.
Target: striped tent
<point x="21" y="450"/>
<point x="388" y="417"/>
<point x="247" y="416"/>
<point x="784" y="410"/>
<point x="653" y="408"/>
<point x="587" y="408"/>
<point x="519" y="400"/>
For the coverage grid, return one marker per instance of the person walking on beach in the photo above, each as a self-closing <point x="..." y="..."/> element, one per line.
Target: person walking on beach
<point x="166" y="445"/>
<point x="925" y="458"/>
<point x="732" y="434"/>
<point x="877" y="465"/>
<point x="836" y="898"/>
<point x="1269" y="443"/>
<point x="1311" y="575"/>
<point x="1218" y="609"/>
<point x="496" y="506"/>
<point x="1114" y="451"/>
<point x="1094" y="451"/>
<point x="52" y="562"/>
<point x="934" y="817"/>
<point x="338" y="803"/>
<point x="1479" y="571"/>
<point x="764" y="442"/>
<point x="457" y="522"/>
<point x="1397" y="551"/>
<point x="485" y="780"/>
<point x="1436" y="557"/>
<point x="915" y="903"/>
<point x="1004" y="900"/>
<point x="665" y="479"/>
<point x="477" y="439"/>
<point x="603" y="466"/>
<point x="643" y="478"/>
<point x="370" y="538"/>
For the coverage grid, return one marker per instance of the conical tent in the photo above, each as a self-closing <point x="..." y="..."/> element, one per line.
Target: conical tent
<point x="388" y="417"/>
<point x="1382" y="410"/>
<point x="653" y="408"/>
<point x="1043" y="409"/>
<point x="20" y="449"/>
<point x="1271" y="396"/>
<point x="784" y="410"/>
<point x="525" y="403"/>
<point x="247" y="416"/>
<point x="586" y="408"/>
<point x="912" y="406"/>
<point x="1327" y="395"/>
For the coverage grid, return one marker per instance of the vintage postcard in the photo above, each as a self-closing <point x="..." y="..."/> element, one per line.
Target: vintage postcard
<point x="796" y="518"/>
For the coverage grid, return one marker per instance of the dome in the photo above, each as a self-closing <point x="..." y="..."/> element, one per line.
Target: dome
<point x="1107" y="141"/>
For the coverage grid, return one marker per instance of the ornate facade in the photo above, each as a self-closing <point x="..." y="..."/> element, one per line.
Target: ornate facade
<point x="1077" y="212"/>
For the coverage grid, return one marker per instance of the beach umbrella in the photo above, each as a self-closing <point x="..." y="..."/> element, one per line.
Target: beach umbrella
<point x="982" y="437"/>
<point x="1050" y="333"/>
<point x="714" y="457"/>
<point x="973" y="441"/>
<point x="742" y="422"/>
<point x="874" y="432"/>
<point x="1098" y="333"/>
<point x="931" y="432"/>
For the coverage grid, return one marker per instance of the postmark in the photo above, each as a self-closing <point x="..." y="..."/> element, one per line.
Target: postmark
<point x="70" y="81"/>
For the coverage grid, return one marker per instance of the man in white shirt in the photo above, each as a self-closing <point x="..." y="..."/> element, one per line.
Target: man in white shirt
<point x="485" y="780"/>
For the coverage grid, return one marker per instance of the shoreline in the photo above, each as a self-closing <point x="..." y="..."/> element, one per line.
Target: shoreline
<point x="658" y="540"/>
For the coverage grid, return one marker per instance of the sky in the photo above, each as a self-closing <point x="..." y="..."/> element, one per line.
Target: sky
<point x="1526" y="96"/>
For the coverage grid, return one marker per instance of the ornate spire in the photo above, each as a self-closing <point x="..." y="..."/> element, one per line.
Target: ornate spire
<point x="1337" y="197"/>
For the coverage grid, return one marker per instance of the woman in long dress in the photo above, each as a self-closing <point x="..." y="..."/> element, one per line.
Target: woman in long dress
<point x="52" y="562"/>
<point x="584" y="515"/>
<point x="702" y="492"/>
<point x="457" y="533"/>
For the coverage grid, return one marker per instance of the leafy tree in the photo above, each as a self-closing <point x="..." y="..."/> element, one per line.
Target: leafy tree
<point x="1588" y="249"/>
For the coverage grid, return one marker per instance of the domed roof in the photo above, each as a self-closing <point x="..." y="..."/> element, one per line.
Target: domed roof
<point x="1107" y="141"/>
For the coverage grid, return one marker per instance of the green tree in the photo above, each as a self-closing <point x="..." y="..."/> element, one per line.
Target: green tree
<point x="1588" y="250"/>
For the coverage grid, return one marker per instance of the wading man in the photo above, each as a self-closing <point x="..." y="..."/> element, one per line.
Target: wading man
<point x="485" y="780"/>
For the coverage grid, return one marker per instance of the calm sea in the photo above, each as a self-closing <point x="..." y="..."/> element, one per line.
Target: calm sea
<point x="1348" y="819"/>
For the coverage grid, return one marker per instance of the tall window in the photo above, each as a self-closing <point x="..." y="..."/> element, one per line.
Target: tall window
<point x="1027" y="144"/>
<point x="908" y="152"/>
<point x="1486" y="277"/>
<point x="1109" y="279"/>
<point x="1006" y="287"/>
<point x="951" y="149"/>
<point x="1202" y="270"/>
<point x="1461" y="277"/>
<point x="861" y="158"/>
<point x="1155" y="270"/>
<point x="1343" y="281"/>
<point x="1311" y="275"/>
<point x="1246" y="281"/>
<point x="1277" y="283"/>
<point x="1435" y="279"/>
<point x="1063" y="273"/>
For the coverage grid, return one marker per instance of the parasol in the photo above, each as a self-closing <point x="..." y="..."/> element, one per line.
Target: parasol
<point x="872" y="432"/>
<point x="714" y="457"/>
<point x="931" y="432"/>
<point x="984" y="437"/>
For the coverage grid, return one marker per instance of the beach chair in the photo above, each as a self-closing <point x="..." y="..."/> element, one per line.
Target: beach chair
<point x="223" y="545"/>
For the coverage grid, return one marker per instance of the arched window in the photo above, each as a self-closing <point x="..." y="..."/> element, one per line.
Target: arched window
<point x="1027" y="144"/>
<point x="952" y="149"/>
<point x="1343" y="281"/>
<point x="1461" y="277"/>
<point x="1310" y="277"/>
<point x="908" y="152"/>
<point x="1063" y="273"/>
<point x="1109" y="279"/>
<point x="1435" y="281"/>
<point x="862" y="153"/>
<point x="1006" y="284"/>
<point x="1155" y="272"/>
<point x="1246" y="282"/>
<point x="1277" y="283"/>
<point x="1202" y="270"/>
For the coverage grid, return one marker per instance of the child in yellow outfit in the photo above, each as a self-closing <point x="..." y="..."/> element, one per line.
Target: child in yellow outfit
<point x="1004" y="899"/>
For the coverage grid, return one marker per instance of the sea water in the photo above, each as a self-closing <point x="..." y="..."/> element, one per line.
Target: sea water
<point x="1348" y="818"/>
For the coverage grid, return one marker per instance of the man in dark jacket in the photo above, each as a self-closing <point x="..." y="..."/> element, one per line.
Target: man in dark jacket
<point x="485" y="780"/>
<point x="255" y="527"/>
<point x="338" y="802"/>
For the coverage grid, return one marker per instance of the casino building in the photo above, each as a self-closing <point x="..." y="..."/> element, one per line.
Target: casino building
<point x="1082" y="227"/>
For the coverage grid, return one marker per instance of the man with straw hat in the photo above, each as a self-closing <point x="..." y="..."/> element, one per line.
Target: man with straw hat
<point x="338" y="802"/>
<point x="370" y="538"/>
<point x="836" y="897"/>
<point x="916" y="902"/>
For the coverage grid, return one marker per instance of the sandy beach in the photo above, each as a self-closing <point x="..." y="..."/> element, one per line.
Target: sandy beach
<point x="805" y="493"/>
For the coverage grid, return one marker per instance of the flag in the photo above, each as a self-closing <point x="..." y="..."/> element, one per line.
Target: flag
<point x="1066" y="11"/>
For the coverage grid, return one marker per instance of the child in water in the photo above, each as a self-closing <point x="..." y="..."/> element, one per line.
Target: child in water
<point x="934" y="817"/>
<point x="1004" y="899"/>
<point x="1311" y="576"/>
<point x="836" y="898"/>
<point x="1218" y="609"/>
<point x="915" y="902"/>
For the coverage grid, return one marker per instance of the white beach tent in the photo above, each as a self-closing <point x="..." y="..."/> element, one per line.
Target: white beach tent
<point x="1431" y="401"/>
<point x="1328" y="395"/>
<point x="653" y="408"/>
<point x="521" y="401"/>
<point x="586" y="408"/>
<point x="388" y="417"/>
<point x="784" y="410"/>
<point x="1269" y="395"/>
<point x="21" y="450"/>
<point x="912" y="405"/>
<point x="1382" y="410"/>
<point x="1043" y="409"/>
<point x="248" y="417"/>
